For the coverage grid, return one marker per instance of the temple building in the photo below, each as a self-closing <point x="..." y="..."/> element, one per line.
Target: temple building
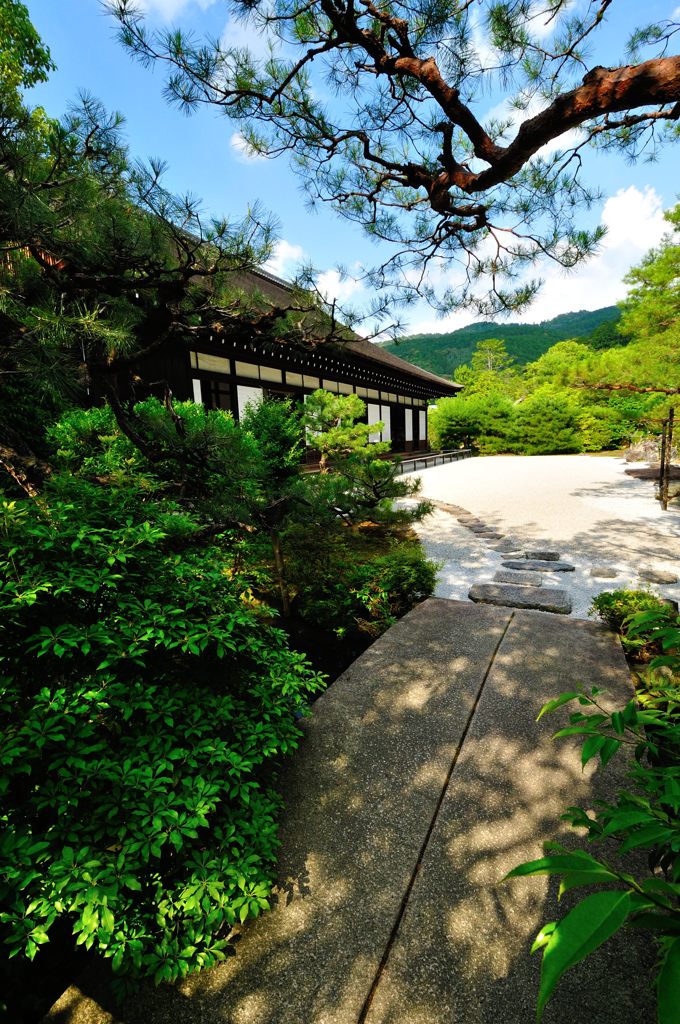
<point x="229" y="375"/>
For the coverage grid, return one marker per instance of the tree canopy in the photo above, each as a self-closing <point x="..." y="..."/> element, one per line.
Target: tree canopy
<point x="100" y="264"/>
<point x="385" y="111"/>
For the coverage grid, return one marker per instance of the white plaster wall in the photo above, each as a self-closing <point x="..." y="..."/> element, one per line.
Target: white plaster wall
<point x="246" y="395"/>
<point x="373" y="417"/>
<point x="385" y="417"/>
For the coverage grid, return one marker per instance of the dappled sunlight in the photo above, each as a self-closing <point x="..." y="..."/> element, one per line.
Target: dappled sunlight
<point x="465" y="932"/>
<point x="362" y="793"/>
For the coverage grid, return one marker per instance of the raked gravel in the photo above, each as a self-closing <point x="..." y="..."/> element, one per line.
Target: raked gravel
<point x="583" y="507"/>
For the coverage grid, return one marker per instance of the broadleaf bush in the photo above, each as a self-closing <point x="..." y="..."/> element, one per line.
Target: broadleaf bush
<point x="143" y="704"/>
<point x="618" y="607"/>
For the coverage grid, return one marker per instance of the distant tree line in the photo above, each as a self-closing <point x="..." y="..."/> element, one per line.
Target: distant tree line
<point x="579" y="395"/>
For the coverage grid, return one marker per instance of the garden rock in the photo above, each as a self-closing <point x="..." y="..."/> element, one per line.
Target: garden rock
<point x="543" y="599"/>
<point x="604" y="572"/>
<point x="509" y="544"/>
<point x="519" y="579"/>
<point x="539" y="564"/>
<point x="658" y="576"/>
<point x="544" y="556"/>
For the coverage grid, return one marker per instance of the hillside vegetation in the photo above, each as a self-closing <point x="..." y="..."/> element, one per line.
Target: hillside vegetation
<point x="593" y="394"/>
<point x="443" y="353"/>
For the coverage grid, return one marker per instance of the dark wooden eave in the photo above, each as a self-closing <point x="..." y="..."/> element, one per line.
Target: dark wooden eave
<point x="358" y="349"/>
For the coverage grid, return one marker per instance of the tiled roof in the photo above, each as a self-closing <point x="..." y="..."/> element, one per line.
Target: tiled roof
<point x="269" y="283"/>
<point x="377" y="354"/>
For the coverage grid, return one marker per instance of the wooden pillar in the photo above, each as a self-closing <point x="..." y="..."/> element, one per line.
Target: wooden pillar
<point x="662" y="457"/>
<point x="667" y="460"/>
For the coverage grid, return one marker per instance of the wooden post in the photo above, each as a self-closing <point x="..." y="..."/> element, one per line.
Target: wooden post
<point x="662" y="457"/>
<point x="668" y="460"/>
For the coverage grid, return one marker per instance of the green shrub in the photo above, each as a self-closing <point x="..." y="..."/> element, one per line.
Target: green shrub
<point x="346" y="589"/>
<point x="479" y="421"/>
<point x="602" y="428"/>
<point x="387" y="587"/>
<point x="616" y="607"/>
<point x="546" y="424"/>
<point x="142" y="705"/>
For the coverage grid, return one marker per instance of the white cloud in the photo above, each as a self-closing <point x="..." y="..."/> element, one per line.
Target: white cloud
<point x="334" y="286"/>
<point x="242" y="149"/>
<point x="487" y="54"/>
<point x="169" y="9"/>
<point x="440" y="325"/>
<point x="543" y="25"/>
<point x="285" y="259"/>
<point x="245" y="34"/>
<point x="634" y="222"/>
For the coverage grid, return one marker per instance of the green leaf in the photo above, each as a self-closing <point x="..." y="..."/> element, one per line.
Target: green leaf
<point x="556" y="864"/>
<point x="576" y="730"/>
<point x="558" y="702"/>
<point x="649" y="835"/>
<point x="591" y="748"/>
<point x="592" y="921"/>
<point x="574" y="879"/>
<point x="624" y="820"/>
<point x="543" y="937"/>
<point x="609" y="748"/>
<point x="668" y="986"/>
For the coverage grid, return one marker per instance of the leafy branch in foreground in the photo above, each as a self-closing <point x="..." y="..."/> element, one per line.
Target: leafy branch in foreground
<point x="644" y="817"/>
<point x="384" y="111"/>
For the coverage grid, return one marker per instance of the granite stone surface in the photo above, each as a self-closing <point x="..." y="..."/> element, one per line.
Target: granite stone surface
<point x="657" y="576"/>
<point x="509" y="595"/>
<point x="540" y="564"/>
<point x="422" y="779"/>
<point x="461" y="955"/>
<point x="520" y="579"/>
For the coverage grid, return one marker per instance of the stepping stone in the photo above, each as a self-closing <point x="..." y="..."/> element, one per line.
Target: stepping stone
<point x="490" y="536"/>
<point x="654" y="576"/>
<point x="604" y="572"/>
<point x="543" y="599"/>
<point x="479" y="528"/>
<point x="455" y="510"/>
<point x="509" y="544"/>
<point x="539" y="564"/>
<point x="544" y="556"/>
<point x="519" y="579"/>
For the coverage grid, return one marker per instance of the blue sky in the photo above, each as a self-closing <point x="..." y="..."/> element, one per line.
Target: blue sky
<point x="204" y="157"/>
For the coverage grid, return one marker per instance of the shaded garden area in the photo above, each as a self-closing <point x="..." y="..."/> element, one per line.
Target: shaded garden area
<point x="175" y="591"/>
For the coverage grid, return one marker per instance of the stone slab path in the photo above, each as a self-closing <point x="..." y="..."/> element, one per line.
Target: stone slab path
<point x="422" y="779"/>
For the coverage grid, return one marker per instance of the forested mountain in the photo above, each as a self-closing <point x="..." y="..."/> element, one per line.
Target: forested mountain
<point x="442" y="353"/>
